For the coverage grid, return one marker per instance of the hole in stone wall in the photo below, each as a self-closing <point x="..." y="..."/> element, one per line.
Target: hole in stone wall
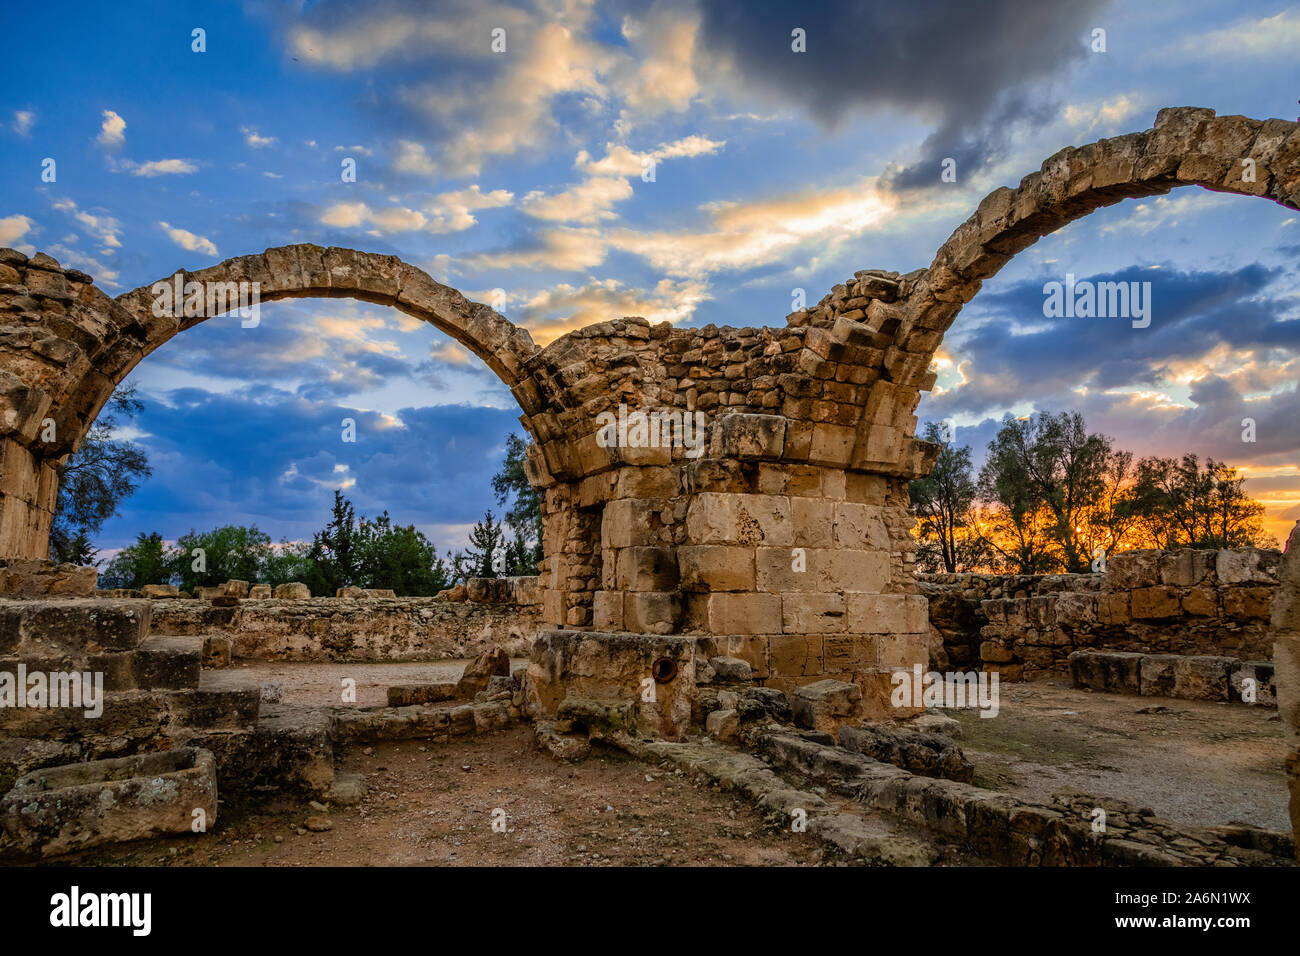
<point x="664" y="670"/>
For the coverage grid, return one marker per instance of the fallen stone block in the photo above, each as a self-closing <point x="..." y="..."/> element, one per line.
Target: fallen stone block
<point x="936" y="723"/>
<point x="765" y="704"/>
<point x="216" y="651"/>
<point x="930" y="755"/>
<point x="292" y="591"/>
<point x="825" y="704"/>
<point x="492" y="662"/>
<point x="723" y="725"/>
<point x="731" y="669"/>
<point x="160" y="591"/>
<point x="259" y="592"/>
<point x="62" y="809"/>
<point x="236" y="588"/>
<point x="348" y="790"/>
<point x="1203" y="678"/>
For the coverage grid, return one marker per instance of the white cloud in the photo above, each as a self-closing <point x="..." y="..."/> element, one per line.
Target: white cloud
<point x="447" y="212"/>
<point x="742" y="235"/>
<point x="188" y="240"/>
<point x="607" y="182"/>
<point x="254" y="139"/>
<point x="552" y="312"/>
<point x="13" y="228"/>
<point x="562" y="248"/>
<point x="24" y="120"/>
<point x="1246" y="40"/>
<point x="104" y="228"/>
<point x="165" y="167"/>
<point x="412" y="158"/>
<point x="587" y="202"/>
<point x="112" y="130"/>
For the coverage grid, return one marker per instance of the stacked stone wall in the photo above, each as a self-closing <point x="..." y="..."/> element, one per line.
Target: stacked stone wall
<point x="1186" y="601"/>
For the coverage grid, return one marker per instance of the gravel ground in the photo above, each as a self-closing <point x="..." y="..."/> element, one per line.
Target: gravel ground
<point x="1192" y="762"/>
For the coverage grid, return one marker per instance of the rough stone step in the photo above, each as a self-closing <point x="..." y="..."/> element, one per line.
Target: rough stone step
<point x="1186" y="677"/>
<point x="128" y="720"/>
<point x="47" y="629"/>
<point x="160" y="663"/>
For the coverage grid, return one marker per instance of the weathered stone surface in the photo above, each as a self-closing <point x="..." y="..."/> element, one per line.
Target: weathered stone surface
<point x="731" y="669"/>
<point x="825" y="704"/>
<point x="478" y="672"/>
<point x="56" y="811"/>
<point x="292" y="591"/>
<point x="403" y="695"/>
<point x="930" y="755"/>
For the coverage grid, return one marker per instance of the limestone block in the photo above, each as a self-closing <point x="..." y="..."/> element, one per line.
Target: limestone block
<point x="404" y="695"/>
<point x="74" y="626"/>
<point x="1247" y="603"/>
<point x="823" y="705"/>
<point x="292" y="591"/>
<point x="874" y="613"/>
<point x="607" y="611"/>
<point x="237" y="589"/>
<point x="629" y="522"/>
<point x="1155" y="602"/>
<point x="1246" y="566"/>
<point x="1261" y="688"/>
<point x="646" y="569"/>
<point x="731" y="669"/>
<point x="1132" y="569"/>
<point x="1201" y="602"/>
<point x="737" y="435"/>
<point x="814" y="522"/>
<point x="717" y="518"/>
<point x="812" y="613"/>
<point x="160" y="591"/>
<point x="61" y="809"/>
<point x="716" y="567"/>
<point x="259" y="592"/>
<point x="742" y="613"/>
<point x="860" y="525"/>
<point x="1186" y="567"/>
<point x="651" y="612"/>
<point x="823" y="569"/>
<point x="1113" y="672"/>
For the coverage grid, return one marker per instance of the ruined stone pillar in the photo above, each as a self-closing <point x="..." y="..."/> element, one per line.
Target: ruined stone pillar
<point x="28" y="490"/>
<point x="1286" y="667"/>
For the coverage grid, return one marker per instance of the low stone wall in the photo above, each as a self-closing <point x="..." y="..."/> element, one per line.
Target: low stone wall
<point x="343" y="629"/>
<point x="30" y="578"/>
<point x="1186" y="601"/>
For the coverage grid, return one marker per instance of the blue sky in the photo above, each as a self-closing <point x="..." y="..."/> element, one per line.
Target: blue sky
<point x="521" y="171"/>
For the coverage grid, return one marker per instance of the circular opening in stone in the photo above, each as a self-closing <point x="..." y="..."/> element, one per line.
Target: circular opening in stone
<point x="664" y="670"/>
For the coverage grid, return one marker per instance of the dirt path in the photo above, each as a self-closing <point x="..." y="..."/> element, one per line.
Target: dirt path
<point x="1194" y="762"/>
<point x="432" y="804"/>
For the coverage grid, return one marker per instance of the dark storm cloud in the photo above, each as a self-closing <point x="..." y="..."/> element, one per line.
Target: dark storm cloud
<point x="1014" y="351"/>
<point x="973" y="69"/>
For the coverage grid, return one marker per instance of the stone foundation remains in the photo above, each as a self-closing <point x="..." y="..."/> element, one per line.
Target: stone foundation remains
<point x="1182" y="602"/>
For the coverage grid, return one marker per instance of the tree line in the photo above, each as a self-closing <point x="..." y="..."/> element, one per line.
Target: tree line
<point x="1052" y="496"/>
<point x="351" y="550"/>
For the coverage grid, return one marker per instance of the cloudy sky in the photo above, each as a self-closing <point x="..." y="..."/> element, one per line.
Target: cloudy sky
<point x="518" y="175"/>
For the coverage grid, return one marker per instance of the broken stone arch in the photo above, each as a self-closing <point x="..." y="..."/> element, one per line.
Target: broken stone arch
<point x="787" y="542"/>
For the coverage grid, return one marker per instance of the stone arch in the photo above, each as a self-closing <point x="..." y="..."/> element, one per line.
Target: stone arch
<point x="309" y="271"/>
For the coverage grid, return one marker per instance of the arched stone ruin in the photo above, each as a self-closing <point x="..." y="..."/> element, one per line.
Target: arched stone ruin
<point x="783" y="540"/>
